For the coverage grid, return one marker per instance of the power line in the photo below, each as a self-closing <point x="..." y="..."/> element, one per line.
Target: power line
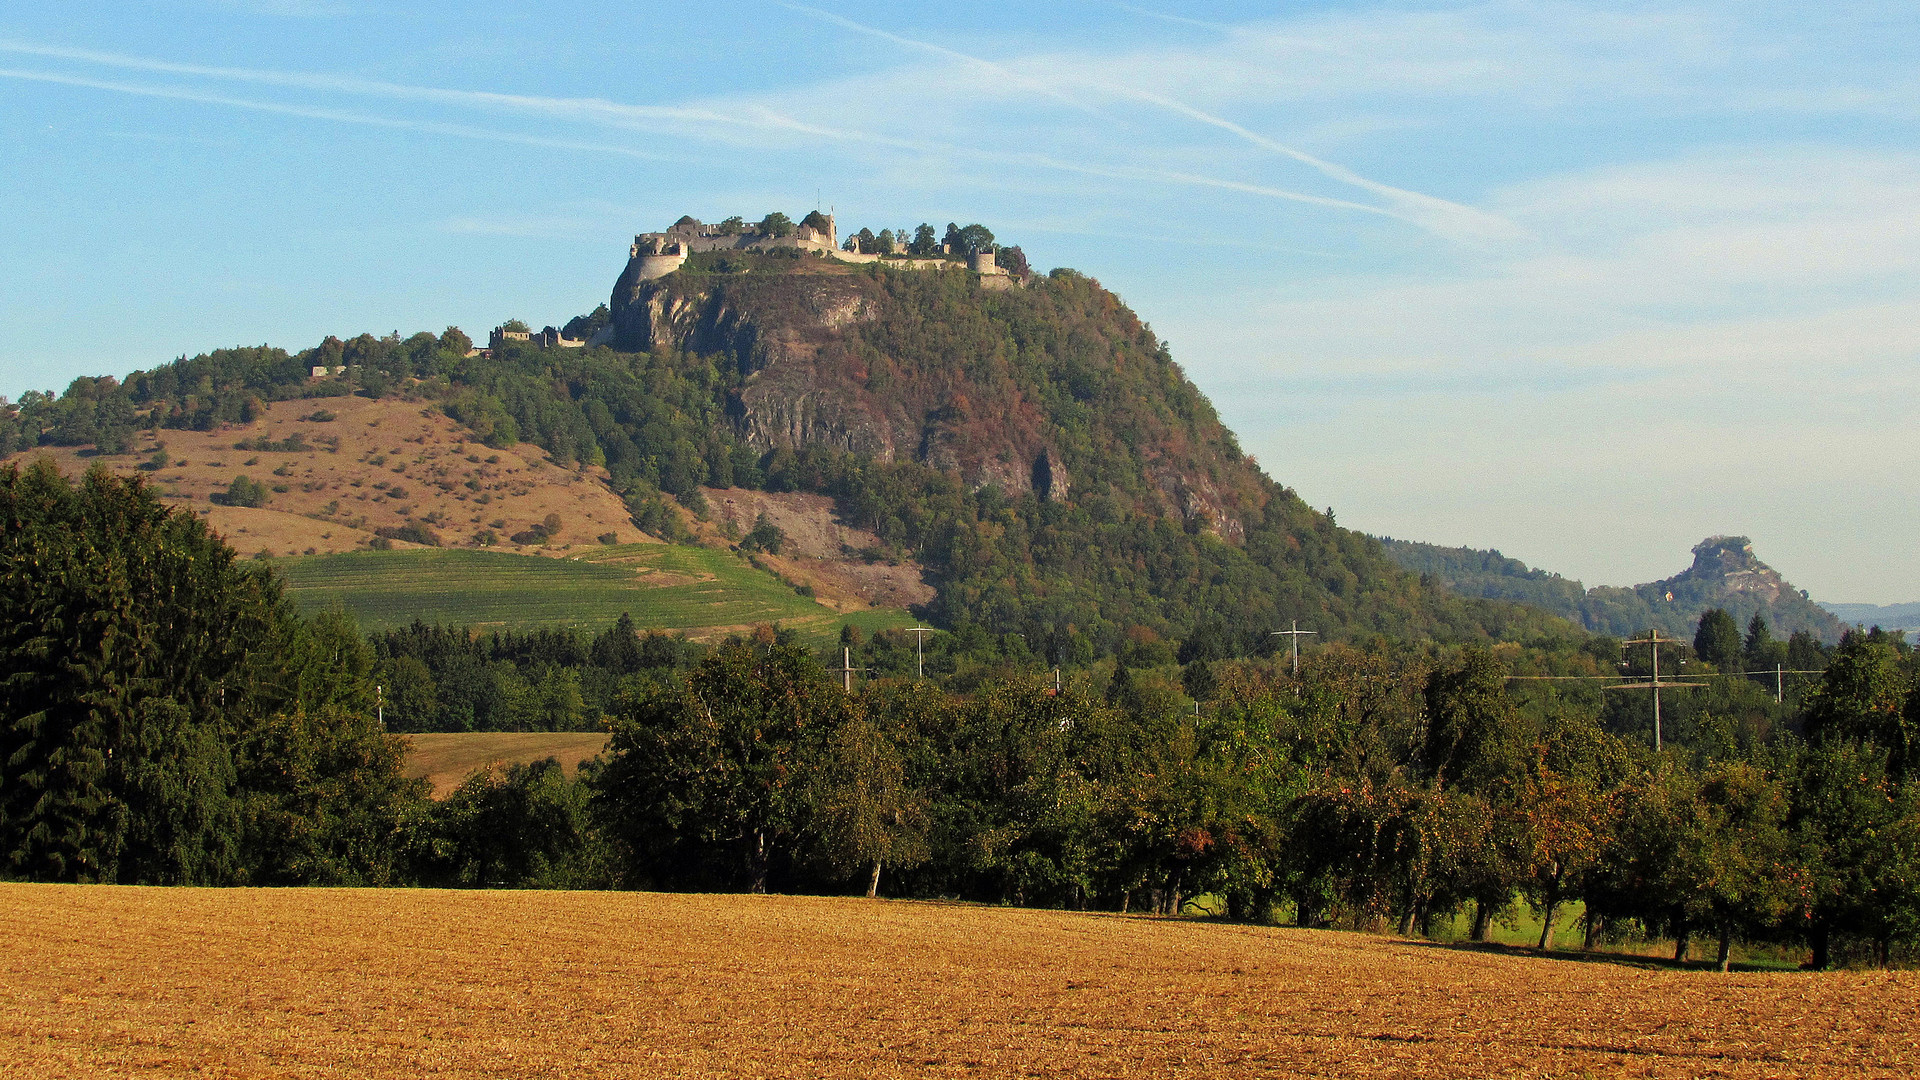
<point x="1654" y="641"/>
<point x="1294" y="636"/>
<point x="919" y="648"/>
<point x="846" y="668"/>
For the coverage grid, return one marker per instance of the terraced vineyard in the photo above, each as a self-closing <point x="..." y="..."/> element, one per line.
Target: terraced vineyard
<point x="701" y="591"/>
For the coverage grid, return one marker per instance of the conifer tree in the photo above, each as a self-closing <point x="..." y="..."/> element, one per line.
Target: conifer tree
<point x="122" y="626"/>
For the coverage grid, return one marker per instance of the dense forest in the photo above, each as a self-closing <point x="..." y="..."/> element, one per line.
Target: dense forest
<point x="1155" y="523"/>
<point x="168" y="720"/>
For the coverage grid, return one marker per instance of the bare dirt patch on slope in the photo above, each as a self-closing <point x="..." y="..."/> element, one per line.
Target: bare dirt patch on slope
<point x="404" y="983"/>
<point x="376" y="463"/>
<point x="823" y="550"/>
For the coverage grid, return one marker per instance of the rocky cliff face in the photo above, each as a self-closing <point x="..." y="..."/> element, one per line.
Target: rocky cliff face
<point x="778" y="330"/>
<point x="1725" y="574"/>
<point x="928" y="366"/>
<point x="1727" y="565"/>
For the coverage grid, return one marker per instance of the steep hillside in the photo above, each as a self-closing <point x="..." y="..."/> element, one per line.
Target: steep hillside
<point x="1037" y="447"/>
<point x="1725" y="574"/>
<point x="1048" y="389"/>
<point x="1025" y="448"/>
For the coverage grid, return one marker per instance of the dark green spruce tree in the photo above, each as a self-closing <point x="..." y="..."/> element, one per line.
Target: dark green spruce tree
<point x="164" y="719"/>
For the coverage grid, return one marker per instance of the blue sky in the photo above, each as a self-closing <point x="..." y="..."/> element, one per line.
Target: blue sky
<point x="1585" y="283"/>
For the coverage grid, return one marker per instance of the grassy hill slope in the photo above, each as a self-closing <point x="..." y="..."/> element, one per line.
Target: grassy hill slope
<point x="699" y="591"/>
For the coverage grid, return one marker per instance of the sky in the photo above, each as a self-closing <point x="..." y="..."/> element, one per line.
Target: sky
<point x="1585" y="283"/>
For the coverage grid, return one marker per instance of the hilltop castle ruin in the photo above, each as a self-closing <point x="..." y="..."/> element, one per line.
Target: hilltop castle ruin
<point x="658" y="254"/>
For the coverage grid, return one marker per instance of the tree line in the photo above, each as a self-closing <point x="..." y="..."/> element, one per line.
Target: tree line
<point x="165" y="718"/>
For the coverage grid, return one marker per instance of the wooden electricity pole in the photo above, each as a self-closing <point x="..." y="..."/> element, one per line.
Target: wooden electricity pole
<point x="1654" y="641"/>
<point x="1294" y="635"/>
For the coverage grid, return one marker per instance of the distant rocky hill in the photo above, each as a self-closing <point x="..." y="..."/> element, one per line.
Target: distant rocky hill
<point x="1725" y="574"/>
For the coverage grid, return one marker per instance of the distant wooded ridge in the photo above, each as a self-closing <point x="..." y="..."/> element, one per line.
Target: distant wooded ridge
<point x="1725" y="575"/>
<point x="1890" y="616"/>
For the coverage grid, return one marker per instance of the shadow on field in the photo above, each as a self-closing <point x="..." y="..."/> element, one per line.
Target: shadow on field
<point x="1581" y="956"/>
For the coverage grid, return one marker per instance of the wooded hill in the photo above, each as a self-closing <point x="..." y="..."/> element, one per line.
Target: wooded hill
<point x="1036" y="448"/>
<point x="1725" y="575"/>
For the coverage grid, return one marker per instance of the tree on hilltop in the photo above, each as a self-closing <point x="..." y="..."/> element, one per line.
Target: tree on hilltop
<point x="973" y="238"/>
<point x="776" y="224"/>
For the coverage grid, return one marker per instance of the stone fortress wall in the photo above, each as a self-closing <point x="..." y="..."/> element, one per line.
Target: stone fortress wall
<point x="655" y="255"/>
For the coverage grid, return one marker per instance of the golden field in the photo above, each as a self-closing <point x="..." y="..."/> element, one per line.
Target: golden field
<point x="444" y="759"/>
<point x="402" y="983"/>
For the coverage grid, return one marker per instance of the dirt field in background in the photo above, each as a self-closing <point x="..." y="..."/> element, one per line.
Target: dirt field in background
<point x="99" y="981"/>
<point x="444" y="759"/>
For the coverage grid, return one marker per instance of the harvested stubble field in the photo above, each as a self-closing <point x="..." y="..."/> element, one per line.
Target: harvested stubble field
<point x="445" y="759"/>
<point x="402" y="983"/>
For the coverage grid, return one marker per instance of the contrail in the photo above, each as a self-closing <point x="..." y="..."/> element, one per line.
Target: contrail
<point x="339" y="115"/>
<point x="587" y="110"/>
<point x="941" y="50"/>
<point x="1222" y="27"/>
<point x="598" y="109"/>
<point x="1426" y="210"/>
<point x="1450" y="219"/>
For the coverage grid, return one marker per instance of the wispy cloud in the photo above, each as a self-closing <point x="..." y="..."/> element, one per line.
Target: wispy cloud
<point x="1181" y="19"/>
<point x="461" y="131"/>
<point x="1449" y="219"/>
<point x="1036" y="85"/>
<point x="692" y="122"/>
<point x="598" y="110"/>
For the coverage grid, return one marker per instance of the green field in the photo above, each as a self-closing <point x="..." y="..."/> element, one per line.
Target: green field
<point x="669" y="587"/>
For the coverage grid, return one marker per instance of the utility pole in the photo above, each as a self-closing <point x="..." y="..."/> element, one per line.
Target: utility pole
<point x="920" y="648"/>
<point x="1294" y="634"/>
<point x="1654" y="641"/>
<point x="1779" y="685"/>
<point x="380" y="706"/>
<point x="846" y="668"/>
